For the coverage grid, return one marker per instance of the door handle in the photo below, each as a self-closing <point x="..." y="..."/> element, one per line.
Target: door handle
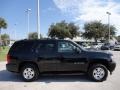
<point x="79" y="63"/>
<point x="76" y="62"/>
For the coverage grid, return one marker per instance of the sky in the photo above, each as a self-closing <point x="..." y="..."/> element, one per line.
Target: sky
<point x="52" y="11"/>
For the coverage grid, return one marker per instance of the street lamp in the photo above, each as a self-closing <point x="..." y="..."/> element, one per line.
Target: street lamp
<point x="38" y="19"/>
<point x="15" y="31"/>
<point x="108" y="24"/>
<point x="28" y="20"/>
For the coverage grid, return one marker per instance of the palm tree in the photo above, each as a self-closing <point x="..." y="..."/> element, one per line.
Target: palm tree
<point x="3" y="25"/>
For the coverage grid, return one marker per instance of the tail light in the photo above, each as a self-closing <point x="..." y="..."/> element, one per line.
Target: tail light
<point x="8" y="58"/>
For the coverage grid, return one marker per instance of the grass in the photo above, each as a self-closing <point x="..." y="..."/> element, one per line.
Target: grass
<point x="3" y="53"/>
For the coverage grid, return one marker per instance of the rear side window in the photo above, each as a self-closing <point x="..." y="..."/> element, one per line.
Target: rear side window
<point x="46" y="47"/>
<point x="22" y="47"/>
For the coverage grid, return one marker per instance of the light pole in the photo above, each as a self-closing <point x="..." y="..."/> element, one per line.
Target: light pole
<point x="15" y="31"/>
<point x="38" y="19"/>
<point x="28" y="21"/>
<point x="108" y="24"/>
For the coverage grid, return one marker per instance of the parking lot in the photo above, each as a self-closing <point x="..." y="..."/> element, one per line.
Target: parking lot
<point x="10" y="81"/>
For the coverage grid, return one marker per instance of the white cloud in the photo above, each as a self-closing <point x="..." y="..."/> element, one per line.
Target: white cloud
<point x="89" y="10"/>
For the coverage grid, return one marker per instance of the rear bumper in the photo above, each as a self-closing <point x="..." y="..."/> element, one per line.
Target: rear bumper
<point x="112" y="66"/>
<point x="12" y="67"/>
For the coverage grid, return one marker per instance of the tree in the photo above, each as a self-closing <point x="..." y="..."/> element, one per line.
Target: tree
<point x="73" y="29"/>
<point x="118" y="38"/>
<point x="3" y="25"/>
<point x="97" y="31"/>
<point x="106" y="31"/>
<point x="5" y="39"/>
<point x="63" y="30"/>
<point x="34" y="35"/>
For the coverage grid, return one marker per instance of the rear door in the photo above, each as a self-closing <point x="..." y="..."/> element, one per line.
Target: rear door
<point x="46" y="52"/>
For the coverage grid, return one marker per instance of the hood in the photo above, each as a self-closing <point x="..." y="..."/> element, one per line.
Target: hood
<point x="98" y="54"/>
<point x="99" y="51"/>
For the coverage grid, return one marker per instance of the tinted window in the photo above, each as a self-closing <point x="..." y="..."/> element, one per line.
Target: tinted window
<point x="46" y="47"/>
<point x="49" y="47"/>
<point x="40" y="47"/>
<point x="22" y="47"/>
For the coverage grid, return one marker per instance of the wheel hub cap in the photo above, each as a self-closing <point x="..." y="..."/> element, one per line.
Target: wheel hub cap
<point x="98" y="73"/>
<point x="28" y="73"/>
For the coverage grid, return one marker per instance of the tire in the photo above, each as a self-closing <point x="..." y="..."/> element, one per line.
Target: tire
<point x="29" y="72"/>
<point x="98" y="73"/>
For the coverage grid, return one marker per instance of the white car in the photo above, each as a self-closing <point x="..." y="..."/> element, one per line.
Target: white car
<point x="96" y="46"/>
<point x="117" y="47"/>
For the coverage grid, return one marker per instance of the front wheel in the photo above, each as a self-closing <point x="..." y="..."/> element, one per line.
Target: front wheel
<point x="98" y="72"/>
<point x="29" y="72"/>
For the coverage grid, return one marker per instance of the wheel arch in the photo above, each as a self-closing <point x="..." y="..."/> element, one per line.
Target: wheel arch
<point x="27" y="62"/>
<point x="98" y="61"/>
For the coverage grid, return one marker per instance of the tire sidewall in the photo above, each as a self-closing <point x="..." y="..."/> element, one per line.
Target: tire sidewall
<point x="90" y="73"/>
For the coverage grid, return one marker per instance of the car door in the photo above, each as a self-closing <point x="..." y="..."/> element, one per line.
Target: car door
<point x="47" y="56"/>
<point x="71" y="57"/>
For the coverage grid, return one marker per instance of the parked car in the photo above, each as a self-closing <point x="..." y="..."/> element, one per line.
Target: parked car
<point x="31" y="58"/>
<point x="96" y="46"/>
<point x="83" y="44"/>
<point x="117" y="47"/>
<point x="107" y="46"/>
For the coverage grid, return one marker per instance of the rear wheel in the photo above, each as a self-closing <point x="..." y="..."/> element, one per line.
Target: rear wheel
<point x="98" y="72"/>
<point x="29" y="72"/>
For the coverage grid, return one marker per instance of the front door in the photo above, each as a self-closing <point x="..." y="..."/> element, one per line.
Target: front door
<point x="71" y="57"/>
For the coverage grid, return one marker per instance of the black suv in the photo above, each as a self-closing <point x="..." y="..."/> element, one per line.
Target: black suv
<point x="31" y="58"/>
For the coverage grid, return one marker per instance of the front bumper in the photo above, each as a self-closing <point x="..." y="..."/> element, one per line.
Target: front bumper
<point x="12" y="67"/>
<point x="112" y="66"/>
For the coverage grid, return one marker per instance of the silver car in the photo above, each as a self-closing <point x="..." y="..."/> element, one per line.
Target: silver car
<point x="117" y="47"/>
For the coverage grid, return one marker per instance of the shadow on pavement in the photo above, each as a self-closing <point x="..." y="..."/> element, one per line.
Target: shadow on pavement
<point x="63" y="78"/>
<point x="6" y="76"/>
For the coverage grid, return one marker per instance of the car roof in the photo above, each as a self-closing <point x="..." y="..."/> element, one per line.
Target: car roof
<point x="42" y="40"/>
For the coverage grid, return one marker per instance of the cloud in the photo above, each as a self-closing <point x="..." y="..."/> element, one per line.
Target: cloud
<point x="89" y="10"/>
